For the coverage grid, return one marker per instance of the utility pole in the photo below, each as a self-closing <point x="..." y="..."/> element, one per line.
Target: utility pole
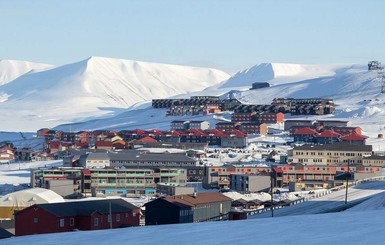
<point x="347" y="182"/>
<point x="271" y="193"/>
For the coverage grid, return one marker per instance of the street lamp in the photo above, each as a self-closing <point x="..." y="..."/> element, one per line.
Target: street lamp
<point x="347" y="182"/>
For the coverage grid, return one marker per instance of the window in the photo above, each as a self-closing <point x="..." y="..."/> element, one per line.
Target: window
<point x="117" y="217"/>
<point x="61" y="222"/>
<point x="96" y="221"/>
<point x="72" y="221"/>
<point x="35" y="220"/>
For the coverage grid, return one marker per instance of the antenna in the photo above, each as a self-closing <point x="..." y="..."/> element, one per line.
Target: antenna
<point x="376" y="65"/>
<point x="381" y="78"/>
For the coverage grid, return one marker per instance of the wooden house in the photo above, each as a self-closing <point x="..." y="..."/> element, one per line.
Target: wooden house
<point x="70" y="216"/>
<point x="188" y="208"/>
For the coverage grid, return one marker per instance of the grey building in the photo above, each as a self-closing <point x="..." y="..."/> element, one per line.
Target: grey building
<point x="94" y="160"/>
<point x="249" y="183"/>
<point x="63" y="187"/>
<point x="135" y="159"/>
<point x="202" y="125"/>
<point x="233" y="142"/>
<point x="179" y="125"/>
<point x="302" y="123"/>
<point x="172" y="190"/>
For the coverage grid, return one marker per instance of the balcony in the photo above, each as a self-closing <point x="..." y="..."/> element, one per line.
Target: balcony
<point x="135" y="175"/>
<point x="103" y="175"/>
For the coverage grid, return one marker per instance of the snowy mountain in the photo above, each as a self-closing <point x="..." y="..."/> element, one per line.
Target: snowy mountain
<point x="355" y="90"/>
<point x="279" y="73"/>
<point x="12" y="69"/>
<point x="94" y="87"/>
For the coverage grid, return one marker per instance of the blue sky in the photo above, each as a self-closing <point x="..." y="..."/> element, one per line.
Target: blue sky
<point x="229" y="35"/>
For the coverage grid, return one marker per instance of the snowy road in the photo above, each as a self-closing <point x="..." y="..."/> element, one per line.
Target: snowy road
<point x="329" y="202"/>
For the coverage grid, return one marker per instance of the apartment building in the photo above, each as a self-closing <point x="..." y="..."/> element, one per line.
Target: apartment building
<point x="329" y="154"/>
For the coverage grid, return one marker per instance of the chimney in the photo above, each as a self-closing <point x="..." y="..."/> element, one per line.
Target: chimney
<point x="195" y="194"/>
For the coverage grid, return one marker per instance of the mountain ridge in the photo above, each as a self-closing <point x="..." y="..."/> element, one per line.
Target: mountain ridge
<point x="96" y="86"/>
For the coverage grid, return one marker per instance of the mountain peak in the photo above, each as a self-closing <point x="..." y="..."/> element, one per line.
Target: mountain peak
<point x="12" y="69"/>
<point x="279" y="73"/>
<point x="97" y="86"/>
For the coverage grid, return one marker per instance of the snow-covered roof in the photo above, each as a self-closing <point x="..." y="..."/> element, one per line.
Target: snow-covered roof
<point x="28" y="197"/>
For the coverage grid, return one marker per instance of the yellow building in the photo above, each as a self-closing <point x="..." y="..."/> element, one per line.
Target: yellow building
<point x="329" y="154"/>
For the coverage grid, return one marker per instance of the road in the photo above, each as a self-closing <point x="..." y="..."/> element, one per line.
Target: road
<point x="329" y="202"/>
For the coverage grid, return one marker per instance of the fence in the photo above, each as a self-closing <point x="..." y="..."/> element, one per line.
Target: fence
<point x="316" y="195"/>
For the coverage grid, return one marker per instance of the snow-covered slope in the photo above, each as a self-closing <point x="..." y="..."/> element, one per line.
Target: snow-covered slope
<point x="334" y="228"/>
<point x="279" y="73"/>
<point x="94" y="87"/>
<point x="355" y="90"/>
<point x="12" y="69"/>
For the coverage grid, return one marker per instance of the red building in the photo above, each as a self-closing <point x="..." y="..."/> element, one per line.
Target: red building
<point x="270" y="117"/>
<point x="82" y="215"/>
<point x="226" y="126"/>
<point x="243" y="116"/>
<point x="354" y="138"/>
<point x="254" y="128"/>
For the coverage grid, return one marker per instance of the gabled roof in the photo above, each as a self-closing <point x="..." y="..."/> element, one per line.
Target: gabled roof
<point x="155" y="132"/>
<point x="199" y="198"/>
<point x="213" y="133"/>
<point x="235" y="133"/>
<point x="328" y="134"/>
<point x="147" y="139"/>
<point x="353" y="136"/>
<point x="172" y="133"/>
<point x="85" y="208"/>
<point x="305" y="131"/>
<point x="193" y="132"/>
<point x="119" y="141"/>
<point x="278" y="170"/>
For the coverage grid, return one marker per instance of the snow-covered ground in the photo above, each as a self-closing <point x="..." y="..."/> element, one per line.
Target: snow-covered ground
<point x="359" y="227"/>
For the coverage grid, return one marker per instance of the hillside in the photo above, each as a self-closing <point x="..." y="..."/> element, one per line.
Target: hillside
<point x="278" y="73"/>
<point x="12" y="69"/>
<point x="355" y="90"/>
<point x="94" y="87"/>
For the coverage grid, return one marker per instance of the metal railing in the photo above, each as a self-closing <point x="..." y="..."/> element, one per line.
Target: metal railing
<point x="316" y="195"/>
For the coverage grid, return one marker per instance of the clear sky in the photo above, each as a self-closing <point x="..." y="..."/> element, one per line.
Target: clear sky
<point x="229" y="35"/>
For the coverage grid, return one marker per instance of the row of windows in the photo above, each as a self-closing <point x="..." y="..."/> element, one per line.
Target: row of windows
<point x="96" y="220"/>
<point x="348" y="154"/>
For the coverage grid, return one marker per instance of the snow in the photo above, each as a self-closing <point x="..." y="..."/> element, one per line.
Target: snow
<point x="292" y="225"/>
<point x="278" y="73"/>
<point x="99" y="86"/>
<point x="115" y="94"/>
<point x="359" y="227"/>
<point x="354" y="89"/>
<point x="12" y="69"/>
<point x="92" y="88"/>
